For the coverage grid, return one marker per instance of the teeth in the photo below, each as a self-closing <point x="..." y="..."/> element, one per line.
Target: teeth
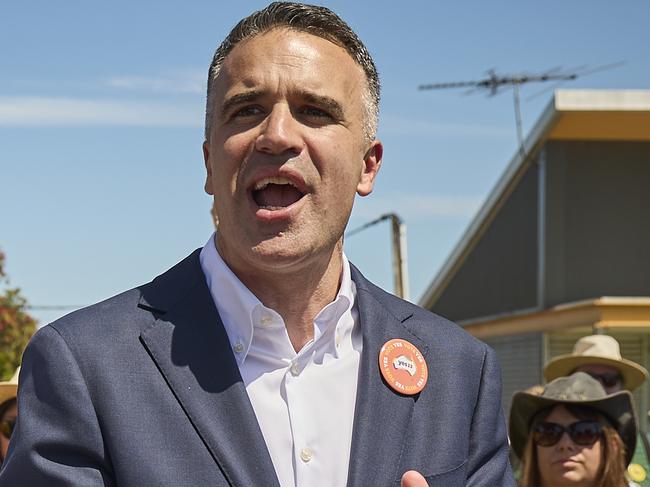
<point x="263" y="183"/>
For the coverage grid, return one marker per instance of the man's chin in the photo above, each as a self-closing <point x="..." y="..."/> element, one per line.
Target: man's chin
<point x="277" y="254"/>
<point x="284" y="251"/>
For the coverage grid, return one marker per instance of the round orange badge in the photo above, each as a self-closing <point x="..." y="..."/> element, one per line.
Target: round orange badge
<point x="403" y="366"/>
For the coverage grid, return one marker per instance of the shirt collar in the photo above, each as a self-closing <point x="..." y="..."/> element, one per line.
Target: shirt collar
<point x="328" y="319"/>
<point x="242" y="312"/>
<point x="234" y="301"/>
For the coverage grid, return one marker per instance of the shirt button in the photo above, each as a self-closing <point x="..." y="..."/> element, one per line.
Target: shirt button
<point x="239" y="347"/>
<point x="306" y="454"/>
<point x="338" y="340"/>
<point x="266" y="319"/>
<point x="294" y="369"/>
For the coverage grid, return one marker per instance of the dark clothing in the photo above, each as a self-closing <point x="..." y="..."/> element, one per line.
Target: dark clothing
<point x="143" y="390"/>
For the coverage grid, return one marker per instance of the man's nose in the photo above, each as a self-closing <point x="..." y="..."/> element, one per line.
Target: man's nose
<point x="280" y="133"/>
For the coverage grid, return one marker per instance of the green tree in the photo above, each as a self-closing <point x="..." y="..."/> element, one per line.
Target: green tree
<point x="16" y="325"/>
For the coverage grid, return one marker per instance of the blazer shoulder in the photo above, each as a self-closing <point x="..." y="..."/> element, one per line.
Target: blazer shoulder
<point x="120" y="310"/>
<point x="130" y="311"/>
<point x="426" y="325"/>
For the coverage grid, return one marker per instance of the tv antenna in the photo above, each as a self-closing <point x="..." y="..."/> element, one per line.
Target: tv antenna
<point x="495" y="82"/>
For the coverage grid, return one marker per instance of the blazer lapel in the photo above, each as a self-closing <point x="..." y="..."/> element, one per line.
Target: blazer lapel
<point x="382" y="416"/>
<point x="190" y="347"/>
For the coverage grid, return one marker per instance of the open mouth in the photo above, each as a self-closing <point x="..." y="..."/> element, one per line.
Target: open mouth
<point x="275" y="193"/>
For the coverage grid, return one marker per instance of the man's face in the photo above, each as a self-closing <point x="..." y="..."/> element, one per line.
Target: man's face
<point x="286" y="153"/>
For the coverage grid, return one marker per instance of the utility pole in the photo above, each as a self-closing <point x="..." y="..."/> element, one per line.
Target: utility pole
<point x="400" y="264"/>
<point x="400" y="268"/>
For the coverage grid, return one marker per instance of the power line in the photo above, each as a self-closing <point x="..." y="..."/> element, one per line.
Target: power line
<point x="55" y="307"/>
<point x="369" y="224"/>
<point x="400" y="265"/>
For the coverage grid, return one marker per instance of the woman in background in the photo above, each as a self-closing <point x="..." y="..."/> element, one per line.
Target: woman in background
<point x="573" y="434"/>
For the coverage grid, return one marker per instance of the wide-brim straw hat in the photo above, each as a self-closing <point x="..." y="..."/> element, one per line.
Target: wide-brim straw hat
<point x="597" y="349"/>
<point x="9" y="388"/>
<point x="581" y="390"/>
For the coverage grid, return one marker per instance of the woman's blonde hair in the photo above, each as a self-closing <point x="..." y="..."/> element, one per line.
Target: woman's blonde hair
<point x="612" y="466"/>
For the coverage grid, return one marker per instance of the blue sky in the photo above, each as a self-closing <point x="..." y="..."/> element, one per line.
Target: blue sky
<point x="101" y="113"/>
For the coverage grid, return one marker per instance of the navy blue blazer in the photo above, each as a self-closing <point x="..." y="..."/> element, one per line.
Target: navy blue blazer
<point x="143" y="390"/>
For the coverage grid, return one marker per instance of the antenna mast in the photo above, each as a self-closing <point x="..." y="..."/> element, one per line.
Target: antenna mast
<point x="494" y="82"/>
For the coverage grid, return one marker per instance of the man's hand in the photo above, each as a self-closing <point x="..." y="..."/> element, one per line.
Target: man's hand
<point x="413" y="479"/>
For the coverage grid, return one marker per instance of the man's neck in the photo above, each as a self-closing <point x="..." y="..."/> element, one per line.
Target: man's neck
<point x="297" y="295"/>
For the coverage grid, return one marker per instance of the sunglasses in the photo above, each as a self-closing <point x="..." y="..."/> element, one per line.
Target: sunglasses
<point x="7" y="428"/>
<point x="583" y="433"/>
<point x="608" y="379"/>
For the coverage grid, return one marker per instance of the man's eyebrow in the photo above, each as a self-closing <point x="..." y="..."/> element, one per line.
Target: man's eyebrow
<point x="330" y="104"/>
<point x="239" y="99"/>
<point x="325" y="102"/>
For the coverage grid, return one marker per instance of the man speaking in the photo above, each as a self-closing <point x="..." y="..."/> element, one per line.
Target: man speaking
<point x="265" y="358"/>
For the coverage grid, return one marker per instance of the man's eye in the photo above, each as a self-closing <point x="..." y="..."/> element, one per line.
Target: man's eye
<point x="315" y="112"/>
<point x="248" y="111"/>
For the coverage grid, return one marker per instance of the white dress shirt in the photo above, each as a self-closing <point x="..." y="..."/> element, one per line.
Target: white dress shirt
<point x="304" y="402"/>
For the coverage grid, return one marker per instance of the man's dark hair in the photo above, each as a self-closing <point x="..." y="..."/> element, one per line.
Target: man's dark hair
<point x="312" y="19"/>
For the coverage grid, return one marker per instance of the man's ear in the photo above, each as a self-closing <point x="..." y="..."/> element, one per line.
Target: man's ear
<point x="371" y="165"/>
<point x="208" y="168"/>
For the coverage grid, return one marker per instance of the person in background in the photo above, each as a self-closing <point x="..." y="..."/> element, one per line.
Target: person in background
<point x="573" y="434"/>
<point x="8" y="412"/>
<point x="600" y="357"/>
